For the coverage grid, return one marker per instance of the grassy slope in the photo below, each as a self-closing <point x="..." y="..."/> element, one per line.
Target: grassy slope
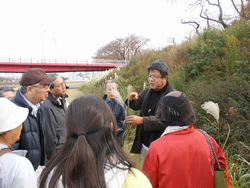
<point x="213" y="66"/>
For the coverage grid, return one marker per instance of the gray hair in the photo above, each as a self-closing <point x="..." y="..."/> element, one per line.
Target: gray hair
<point x="5" y="89"/>
<point x="110" y="81"/>
<point x="52" y="84"/>
<point x="160" y="66"/>
<point x="23" y="89"/>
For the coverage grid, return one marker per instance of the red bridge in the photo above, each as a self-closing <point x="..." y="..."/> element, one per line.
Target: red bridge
<point x="20" y="65"/>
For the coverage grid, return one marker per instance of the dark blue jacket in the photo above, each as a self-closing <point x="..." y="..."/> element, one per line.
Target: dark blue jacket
<point x="119" y="113"/>
<point x="33" y="134"/>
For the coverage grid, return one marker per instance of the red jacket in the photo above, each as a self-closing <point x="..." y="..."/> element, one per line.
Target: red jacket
<point x="182" y="159"/>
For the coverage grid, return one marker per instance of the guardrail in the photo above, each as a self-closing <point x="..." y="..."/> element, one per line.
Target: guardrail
<point x="64" y="61"/>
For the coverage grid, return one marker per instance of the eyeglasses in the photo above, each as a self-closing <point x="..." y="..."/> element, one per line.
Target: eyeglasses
<point x="46" y="87"/>
<point x="153" y="77"/>
<point x="111" y="89"/>
<point x="60" y="85"/>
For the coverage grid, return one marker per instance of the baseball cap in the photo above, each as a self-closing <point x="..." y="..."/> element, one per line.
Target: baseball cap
<point x="35" y="76"/>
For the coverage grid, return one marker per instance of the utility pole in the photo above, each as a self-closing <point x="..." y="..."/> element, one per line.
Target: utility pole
<point x="55" y="47"/>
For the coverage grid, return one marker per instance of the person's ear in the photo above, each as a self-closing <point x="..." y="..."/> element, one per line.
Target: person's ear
<point x="29" y="89"/>
<point x="111" y="125"/>
<point x="165" y="77"/>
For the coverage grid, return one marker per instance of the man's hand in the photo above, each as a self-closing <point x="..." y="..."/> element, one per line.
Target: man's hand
<point x="133" y="96"/>
<point x="134" y="120"/>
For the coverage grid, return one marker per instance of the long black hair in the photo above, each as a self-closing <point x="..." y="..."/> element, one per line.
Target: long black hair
<point x="80" y="161"/>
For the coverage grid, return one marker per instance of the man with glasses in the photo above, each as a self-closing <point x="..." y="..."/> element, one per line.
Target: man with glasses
<point x="118" y="108"/>
<point x="34" y="89"/>
<point x="54" y="109"/>
<point x="149" y="101"/>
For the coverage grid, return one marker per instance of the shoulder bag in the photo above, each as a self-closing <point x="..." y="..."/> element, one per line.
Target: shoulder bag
<point x="220" y="176"/>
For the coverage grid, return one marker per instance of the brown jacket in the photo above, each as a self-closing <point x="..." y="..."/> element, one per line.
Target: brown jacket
<point x="150" y="123"/>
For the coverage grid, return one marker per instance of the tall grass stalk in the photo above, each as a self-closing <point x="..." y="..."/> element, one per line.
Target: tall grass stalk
<point x="213" y="109"/>
<point x="130" y="90"/>
<point x="119" y="100"/>
<point x="227" y="136"/>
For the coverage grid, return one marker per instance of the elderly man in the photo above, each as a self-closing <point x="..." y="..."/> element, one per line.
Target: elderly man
<point x="15" y="170"/>
<point x="34" y="89"/>
<point x="7" y="92"/>
<point x="117" y="108"/>
<point x="54" y="110"/>
<point x="181" y="157"/>
<point x="149" y="102"/>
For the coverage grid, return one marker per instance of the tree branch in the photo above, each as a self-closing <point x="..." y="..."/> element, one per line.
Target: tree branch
<point x="190" y="23"/>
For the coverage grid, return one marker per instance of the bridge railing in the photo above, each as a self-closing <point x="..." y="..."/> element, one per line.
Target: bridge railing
<point x="64" y="61"/>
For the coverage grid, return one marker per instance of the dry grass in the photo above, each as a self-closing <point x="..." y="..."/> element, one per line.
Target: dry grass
<point x="134" y="157"/>
<point x="73" y="91"/>
<point x="73" y="94"/>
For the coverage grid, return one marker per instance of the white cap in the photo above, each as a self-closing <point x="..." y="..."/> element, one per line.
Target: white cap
<point x="11" y="115"/>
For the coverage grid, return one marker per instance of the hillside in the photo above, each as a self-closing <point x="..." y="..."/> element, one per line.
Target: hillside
<point x="213" y="66"/>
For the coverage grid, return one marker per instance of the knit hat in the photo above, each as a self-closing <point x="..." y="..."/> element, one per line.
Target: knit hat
<point x="11" y="115"/>
<point x="35" y="76"/>
<point x="176" y="110"/>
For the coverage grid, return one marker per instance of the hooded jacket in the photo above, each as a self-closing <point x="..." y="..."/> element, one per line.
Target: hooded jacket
<point x="182" y="159"/>
<point x="54" y="116"/>
<point x="33" y="134"/>
<point x="150" y="123"/>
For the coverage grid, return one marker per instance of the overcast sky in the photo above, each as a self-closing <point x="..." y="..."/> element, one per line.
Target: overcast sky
<point x="75" y="29"/>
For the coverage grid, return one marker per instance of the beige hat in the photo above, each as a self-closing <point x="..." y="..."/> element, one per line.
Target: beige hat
<point x="11" y="115"/>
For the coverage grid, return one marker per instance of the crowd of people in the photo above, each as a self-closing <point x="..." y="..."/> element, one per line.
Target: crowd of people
<point x="80" y="144"/>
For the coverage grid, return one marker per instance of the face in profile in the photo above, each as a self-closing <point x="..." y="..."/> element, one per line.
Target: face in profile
<point x="40" y="92"/>
<point x="59" y="87"/>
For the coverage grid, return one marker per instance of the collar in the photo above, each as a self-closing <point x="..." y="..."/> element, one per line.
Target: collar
<point x="171" y="129"/>
<point x="57" y="99"/>
<point x="35" y="108"/>
<point x="164" y="88"/>
<point x="17" y="152"/>
<point x="107" y="100"/>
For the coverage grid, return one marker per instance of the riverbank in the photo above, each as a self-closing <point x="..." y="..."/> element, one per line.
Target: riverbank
<point x="73" y="84"/>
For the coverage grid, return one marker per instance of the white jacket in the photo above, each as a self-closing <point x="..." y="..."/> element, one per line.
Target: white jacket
<point x="16" y="171"/>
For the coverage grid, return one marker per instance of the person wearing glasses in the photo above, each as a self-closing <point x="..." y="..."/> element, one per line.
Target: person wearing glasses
<point x="91" y="157"/>
<point x="34" y="89"/>
<point x="149" y="102"/>
<point x="54" y="109"/>
<point x="117" y="107"/>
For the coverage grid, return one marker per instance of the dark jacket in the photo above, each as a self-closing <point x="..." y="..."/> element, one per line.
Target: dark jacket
<point x="150" y="123"/>
<point x="33" y="134"/>
<point x="119" y="113"/>
<point x="54" y="116"/>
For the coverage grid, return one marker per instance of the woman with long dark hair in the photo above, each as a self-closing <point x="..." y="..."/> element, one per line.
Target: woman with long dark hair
<point x="91" y="157"/>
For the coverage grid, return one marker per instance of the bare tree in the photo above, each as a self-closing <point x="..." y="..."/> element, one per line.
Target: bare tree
<point x="219" y="19"/>
<point x="193" y="24"/>
<point x="122" y="48"/>
<point x="211" y="11"/>
<point x="242" y="8"/>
